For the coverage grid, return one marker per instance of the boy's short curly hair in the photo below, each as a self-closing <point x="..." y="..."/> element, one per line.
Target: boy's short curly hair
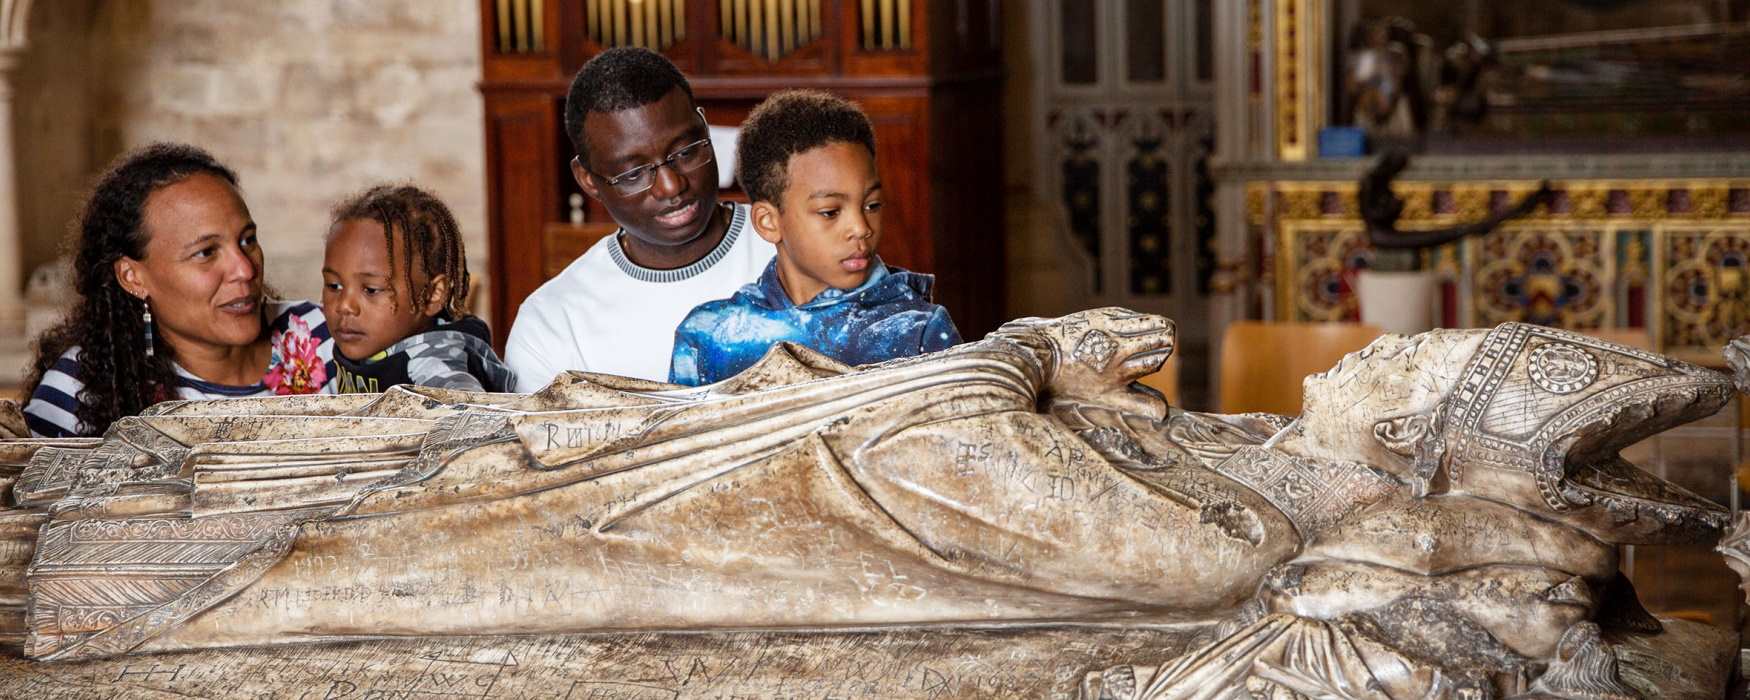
<point x="615" y="80"/>
<point x="788" y="123"/>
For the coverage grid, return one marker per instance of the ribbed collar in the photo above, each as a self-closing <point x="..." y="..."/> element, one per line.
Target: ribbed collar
<point x="737" y="219"/>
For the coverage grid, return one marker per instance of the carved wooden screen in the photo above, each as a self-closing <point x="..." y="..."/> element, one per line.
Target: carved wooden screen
<point x="1125" y="130"/>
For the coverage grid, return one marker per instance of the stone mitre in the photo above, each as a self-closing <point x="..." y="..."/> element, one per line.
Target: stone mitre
<point x="1548" y="408"/>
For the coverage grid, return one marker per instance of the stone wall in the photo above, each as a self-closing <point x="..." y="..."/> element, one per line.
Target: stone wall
<point x="309" y="100"/>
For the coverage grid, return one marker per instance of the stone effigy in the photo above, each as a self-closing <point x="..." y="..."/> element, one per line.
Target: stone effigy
<point x="1441" y="521"/>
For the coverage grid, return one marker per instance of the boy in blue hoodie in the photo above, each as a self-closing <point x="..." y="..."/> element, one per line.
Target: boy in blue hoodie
<point x="807" y="161"/>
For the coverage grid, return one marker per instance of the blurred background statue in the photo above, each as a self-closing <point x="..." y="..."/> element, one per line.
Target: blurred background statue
<point x="1384" y="91"/>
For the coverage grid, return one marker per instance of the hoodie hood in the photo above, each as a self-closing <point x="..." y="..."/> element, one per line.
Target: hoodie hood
<point x="885" y="285"/>
<point x="889" y="316"/>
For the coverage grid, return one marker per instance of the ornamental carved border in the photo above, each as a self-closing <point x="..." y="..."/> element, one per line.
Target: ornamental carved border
<point x="1669" y="256"/>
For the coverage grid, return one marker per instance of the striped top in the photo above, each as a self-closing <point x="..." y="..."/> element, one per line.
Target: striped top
<point x="300" y="333"/>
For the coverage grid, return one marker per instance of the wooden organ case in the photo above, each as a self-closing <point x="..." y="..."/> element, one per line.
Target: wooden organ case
<point x="928" y="73"/>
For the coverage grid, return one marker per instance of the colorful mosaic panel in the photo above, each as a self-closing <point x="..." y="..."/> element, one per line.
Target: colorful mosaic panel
<point x="1317" y="264"/>
<point x="1321" y="284"/>
<point x="1673" y="257"/>
<point x="1634" y="264"/>
<point x="1703" y="288"/>
<point x="1549" y="276"/>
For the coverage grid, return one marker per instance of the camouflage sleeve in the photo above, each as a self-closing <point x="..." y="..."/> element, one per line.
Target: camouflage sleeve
<point x="442" y="363"/>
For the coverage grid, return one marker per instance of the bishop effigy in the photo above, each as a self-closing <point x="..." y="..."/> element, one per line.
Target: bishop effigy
<point x="1442" y="520"/>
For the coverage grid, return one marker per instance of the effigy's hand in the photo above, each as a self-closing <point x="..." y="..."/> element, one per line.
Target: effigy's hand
<point x="1094" y="356"/>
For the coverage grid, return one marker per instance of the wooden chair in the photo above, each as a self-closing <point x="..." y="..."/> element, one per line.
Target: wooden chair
<point x="1263" y="364"/>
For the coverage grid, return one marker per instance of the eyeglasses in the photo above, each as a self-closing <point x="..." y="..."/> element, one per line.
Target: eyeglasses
<point x="684" y="160"/>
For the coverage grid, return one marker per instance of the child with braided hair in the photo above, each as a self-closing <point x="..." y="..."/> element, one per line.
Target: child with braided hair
<point x="394" y="281"/>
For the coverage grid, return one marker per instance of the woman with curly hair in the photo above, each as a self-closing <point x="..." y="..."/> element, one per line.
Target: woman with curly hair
<point x="171" y="302"/>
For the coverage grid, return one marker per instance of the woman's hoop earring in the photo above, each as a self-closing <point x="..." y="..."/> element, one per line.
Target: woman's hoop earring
<point x="147" y="318"/>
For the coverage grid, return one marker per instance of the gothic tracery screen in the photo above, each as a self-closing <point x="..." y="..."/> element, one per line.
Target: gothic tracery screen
<point x="1127" y="128"/>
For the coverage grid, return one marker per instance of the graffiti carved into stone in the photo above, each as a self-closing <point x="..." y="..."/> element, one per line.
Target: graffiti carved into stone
<point x="1442" y="521"/>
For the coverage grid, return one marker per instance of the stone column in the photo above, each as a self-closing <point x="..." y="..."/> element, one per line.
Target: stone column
<point x="14" y="18"/>
<point x="11" y="239"/>
<point x="1233" y="110"/>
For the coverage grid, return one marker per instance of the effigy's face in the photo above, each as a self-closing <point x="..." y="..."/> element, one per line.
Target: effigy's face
<point x="1358" y="409"/>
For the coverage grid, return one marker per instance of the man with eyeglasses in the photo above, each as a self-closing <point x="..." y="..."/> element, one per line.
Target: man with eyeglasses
<point x="643" y="151"/>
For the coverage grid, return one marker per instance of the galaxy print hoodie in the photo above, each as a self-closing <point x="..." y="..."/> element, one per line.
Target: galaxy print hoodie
<point x="889" y="316"/>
